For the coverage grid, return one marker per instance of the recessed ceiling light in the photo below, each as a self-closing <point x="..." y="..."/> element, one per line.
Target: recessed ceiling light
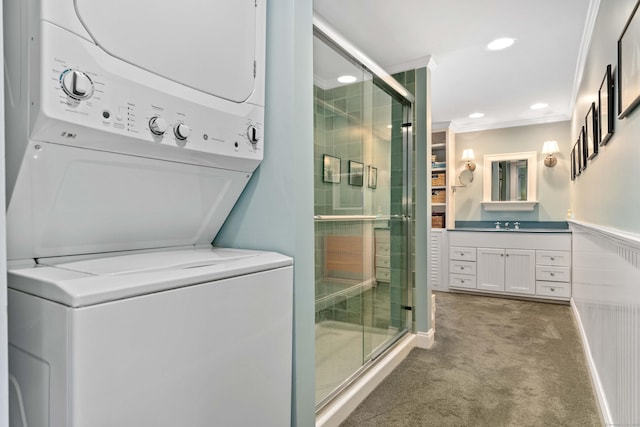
<point x="476" y="115"/>
<point x="539" y="106"/>
<point x="347" y="79"/>
<point x="502" y="43"/>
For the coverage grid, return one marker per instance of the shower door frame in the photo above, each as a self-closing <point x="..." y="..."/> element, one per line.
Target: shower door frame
<point x="388" y="84"/>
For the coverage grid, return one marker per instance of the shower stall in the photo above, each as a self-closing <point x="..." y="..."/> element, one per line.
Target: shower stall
<point x="362" y="165"/>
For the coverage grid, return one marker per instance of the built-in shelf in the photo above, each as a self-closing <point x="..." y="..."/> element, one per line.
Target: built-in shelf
<point x="509" y="206"/>
<point x="438" y="204"/>
<point x="439" y="170"/>
<point x="439" y="187"/>
<point x="436" y="146"/>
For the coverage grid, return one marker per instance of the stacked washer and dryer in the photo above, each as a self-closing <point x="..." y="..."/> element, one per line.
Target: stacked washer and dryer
<point x="133" y="127"/>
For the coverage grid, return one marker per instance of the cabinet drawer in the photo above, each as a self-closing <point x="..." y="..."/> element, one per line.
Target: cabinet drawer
<point x="562" y="258"/>
<point x="382" y="236"/>
<point x="553" y="273"/>
<point x="382" y="261"/>
<point x="462" y="267"/>
<point x="383" y="249"/>
<point x="462" y="281"/>
<point x="462" y="254"/>
<point x="383" y="274"/>
<point x="553" y="289"/>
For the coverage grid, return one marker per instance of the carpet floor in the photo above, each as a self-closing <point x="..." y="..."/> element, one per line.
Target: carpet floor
<point x="495" y="362"/>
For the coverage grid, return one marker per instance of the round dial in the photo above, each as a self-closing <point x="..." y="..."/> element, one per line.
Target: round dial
<point x="76" y="84"/>
<point x="181" y="131"/>
<point x="157" y="125"/>
<point x="252" y="134"/>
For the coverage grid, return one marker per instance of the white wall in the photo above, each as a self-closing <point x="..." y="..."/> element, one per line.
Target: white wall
<point x="606" y="193"/>
<point x="275" y="211"/>
<point x="553" y="183"/>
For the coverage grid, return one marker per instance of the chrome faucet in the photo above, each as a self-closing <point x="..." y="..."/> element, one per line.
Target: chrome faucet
<point x="497" y="225"/>
<point x="506" y="225"/>
<point x="516" y="225"/>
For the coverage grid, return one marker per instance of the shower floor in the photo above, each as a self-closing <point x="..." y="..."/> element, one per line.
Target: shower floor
<point x="341" y="349"/>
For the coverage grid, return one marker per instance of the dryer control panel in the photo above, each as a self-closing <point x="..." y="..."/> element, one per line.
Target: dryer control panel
<point x="91" y="100"/>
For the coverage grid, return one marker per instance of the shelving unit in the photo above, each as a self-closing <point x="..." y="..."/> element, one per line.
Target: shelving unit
<point x="443" y="147"/>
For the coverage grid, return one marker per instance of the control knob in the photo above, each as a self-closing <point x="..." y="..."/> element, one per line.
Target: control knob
<point x="181" y="131"/>
<point x="76" y="84"/>
<point x="157" y="125"/>
<point x="252" y="134"/>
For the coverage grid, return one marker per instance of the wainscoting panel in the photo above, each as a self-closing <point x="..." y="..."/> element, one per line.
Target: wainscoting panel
<point x="606" y="296"/>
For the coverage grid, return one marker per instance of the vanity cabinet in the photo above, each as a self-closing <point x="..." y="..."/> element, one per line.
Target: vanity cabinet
<point x="534" y="264"/>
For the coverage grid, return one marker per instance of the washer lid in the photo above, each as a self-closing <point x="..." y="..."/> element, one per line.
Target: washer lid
<point x="99" y="280"/>
<point x="206" y="45"/>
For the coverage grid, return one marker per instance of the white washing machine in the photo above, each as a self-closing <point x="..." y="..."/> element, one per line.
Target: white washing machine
<point x="132" y="129"/>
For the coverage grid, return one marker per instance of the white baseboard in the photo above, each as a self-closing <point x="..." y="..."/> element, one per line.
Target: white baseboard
<point x="605" y="413"/>
<point x="341" y="407"/>
<point x="425" y="339"/>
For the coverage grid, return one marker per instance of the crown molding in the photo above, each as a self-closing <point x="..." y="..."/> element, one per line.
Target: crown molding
<point x="500" y="125"/>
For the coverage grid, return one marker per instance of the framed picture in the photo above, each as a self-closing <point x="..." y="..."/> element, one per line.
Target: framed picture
<point x="373" y="177"/>
<point x="579" y="155"/>
<point x="583" y="150"/>
<point x="330" y="169"/>
<point x="590" y="131"/>
<point x="605" y="108"/>
<point x="629" y="65"/>
<point x="356" y="173"/>
<point x="573" y="163"/>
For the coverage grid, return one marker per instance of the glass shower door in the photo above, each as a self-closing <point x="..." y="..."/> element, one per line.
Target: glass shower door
<point x="361" y="225"/>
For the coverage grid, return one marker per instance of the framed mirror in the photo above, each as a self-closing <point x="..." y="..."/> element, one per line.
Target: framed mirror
<point x="509" y="181"/>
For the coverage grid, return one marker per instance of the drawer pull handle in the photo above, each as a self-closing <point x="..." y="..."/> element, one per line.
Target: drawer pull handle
<point x="461" y="268"/>
<point x="552" y="289"/>
<point x="461" y="253"/>
<point x="552" y="259"/>
<point x="552" y="274"/>
<point x="461" y="281"/>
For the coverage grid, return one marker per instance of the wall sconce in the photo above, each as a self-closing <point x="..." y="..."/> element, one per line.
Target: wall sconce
<point x="550" y="148"/>
<point x="469" y="157"/>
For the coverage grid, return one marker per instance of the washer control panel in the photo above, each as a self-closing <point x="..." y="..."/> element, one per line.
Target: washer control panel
<point x="85" y="89"/>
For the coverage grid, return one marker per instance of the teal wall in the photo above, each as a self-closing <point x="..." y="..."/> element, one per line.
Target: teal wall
<point x="275" y="211"/>
<point x="605" y="193"/>
<point x="553" y="183"/>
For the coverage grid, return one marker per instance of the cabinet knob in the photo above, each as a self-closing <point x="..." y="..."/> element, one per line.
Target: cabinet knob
<point x="552" y="258"/>
<point x="461" y="268"/>
<point x="552" y="289"/>
<point x="552" y="274"/>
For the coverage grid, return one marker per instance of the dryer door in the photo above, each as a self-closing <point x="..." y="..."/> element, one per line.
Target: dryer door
<point x="206" y="45"/>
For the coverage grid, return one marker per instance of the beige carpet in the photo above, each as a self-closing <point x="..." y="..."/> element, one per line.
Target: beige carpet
<point x="495" y="362"/>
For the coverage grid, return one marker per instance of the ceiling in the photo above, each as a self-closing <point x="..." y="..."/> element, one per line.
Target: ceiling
<point x="543" y="66"/>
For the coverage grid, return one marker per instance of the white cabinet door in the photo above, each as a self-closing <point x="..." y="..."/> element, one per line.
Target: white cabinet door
<point x="490" y="269"/>
<point x="520" y="271"/>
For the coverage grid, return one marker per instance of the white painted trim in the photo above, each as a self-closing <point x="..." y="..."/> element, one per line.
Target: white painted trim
<point x="587" y="34"/>
<point x="620" y="237"/>
<point x="605" y="413"/>
<point x="341" y="407"/>
<point x="461" y="128"/>
<point x="425" y="61"/>
<point x="425" y="339"/>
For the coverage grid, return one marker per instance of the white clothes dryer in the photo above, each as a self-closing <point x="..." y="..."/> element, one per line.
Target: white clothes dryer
<point x="132" y="129"/>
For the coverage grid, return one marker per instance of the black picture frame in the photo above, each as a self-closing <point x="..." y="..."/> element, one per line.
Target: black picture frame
<point x="372" y="177"/>
<point x="606" y="119"/>
<point x="331" y="169"/>
<point x="573" y="164"/>
<point x="590" y="132"/>
<point x="356" y="173"/>
<point x="629" y="65"/>
<point x="582" y="160"/>
<point x="578" y="157"/>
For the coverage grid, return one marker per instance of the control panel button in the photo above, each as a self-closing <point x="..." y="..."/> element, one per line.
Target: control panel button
<point x="76" y="84"/>
<point x="157" y="125"/>
<point x="181" y="131"/>
<point x="252" y="134"/>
